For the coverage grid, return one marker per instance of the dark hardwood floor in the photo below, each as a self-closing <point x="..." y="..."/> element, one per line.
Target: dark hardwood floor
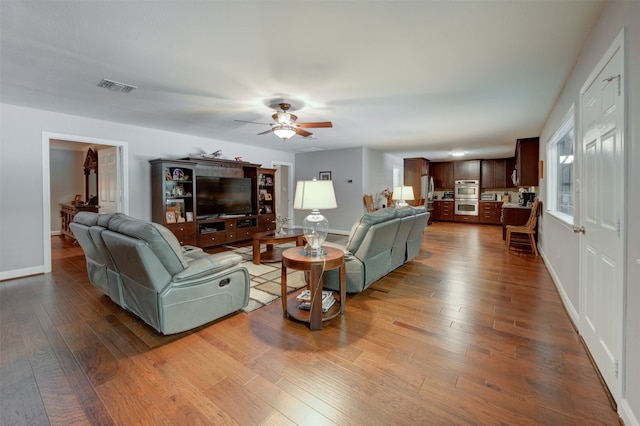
<point x="466" y="334"/>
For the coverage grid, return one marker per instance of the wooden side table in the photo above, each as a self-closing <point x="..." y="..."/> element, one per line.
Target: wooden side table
<point x="295" y="258"/>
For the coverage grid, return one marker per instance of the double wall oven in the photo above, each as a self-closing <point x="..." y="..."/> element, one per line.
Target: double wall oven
<point x="467" y="195"/>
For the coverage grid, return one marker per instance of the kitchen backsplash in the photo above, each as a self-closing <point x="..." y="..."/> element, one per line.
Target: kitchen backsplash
<point x="512" y="192"/>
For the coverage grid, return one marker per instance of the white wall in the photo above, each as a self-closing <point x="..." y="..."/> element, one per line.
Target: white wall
<point x="558" y="243"/>
<point x="21" y="156"/>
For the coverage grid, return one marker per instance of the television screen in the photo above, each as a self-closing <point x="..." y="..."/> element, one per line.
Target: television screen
<point x="217" y="196"/>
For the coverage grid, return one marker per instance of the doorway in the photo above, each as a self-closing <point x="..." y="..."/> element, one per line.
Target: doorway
<point x="122" y="179"/>
<point x="284" y="186"/>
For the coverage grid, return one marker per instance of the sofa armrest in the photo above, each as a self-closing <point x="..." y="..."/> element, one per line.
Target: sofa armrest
<point x="207" y="265"/>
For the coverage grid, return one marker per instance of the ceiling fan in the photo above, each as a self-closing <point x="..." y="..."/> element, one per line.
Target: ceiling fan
<point x="285" y="125"/>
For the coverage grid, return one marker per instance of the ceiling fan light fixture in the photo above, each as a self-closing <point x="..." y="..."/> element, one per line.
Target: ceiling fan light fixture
<point x="284" y="132"/>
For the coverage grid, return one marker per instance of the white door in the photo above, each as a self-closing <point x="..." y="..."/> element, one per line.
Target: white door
<point x="602" y="212"/>
<point x="108" y="197"/>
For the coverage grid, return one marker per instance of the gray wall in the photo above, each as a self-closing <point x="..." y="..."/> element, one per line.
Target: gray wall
<point x="560" y="246"/>
<point x="67" y="180"/>
<point x="368" y="170"/>
<point x="22" y="230"/>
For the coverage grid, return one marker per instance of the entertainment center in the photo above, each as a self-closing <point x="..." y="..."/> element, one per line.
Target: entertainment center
<point x="207" y="202"/>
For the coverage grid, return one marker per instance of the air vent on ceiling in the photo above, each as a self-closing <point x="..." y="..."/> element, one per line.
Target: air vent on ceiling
<point x="115" y="86"/>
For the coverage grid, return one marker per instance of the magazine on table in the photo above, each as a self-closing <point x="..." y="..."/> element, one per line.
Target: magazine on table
<point x="305" y="300"/>
<point x="305" y="295"/>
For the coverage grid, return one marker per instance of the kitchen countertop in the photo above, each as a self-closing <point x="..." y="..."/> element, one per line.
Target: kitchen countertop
<point x="514" y="206"/>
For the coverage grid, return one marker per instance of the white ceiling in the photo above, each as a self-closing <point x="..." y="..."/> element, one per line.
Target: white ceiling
<point x="411" y="78"/>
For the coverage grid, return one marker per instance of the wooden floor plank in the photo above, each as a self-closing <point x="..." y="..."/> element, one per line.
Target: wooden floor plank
<point x="466" y="333"/>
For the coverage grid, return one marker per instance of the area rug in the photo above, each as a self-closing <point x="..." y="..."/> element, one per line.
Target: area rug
<point x="265" y="278"/>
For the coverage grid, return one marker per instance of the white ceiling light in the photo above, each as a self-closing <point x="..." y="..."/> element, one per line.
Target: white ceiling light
<point x="457" y="153"/>
<point x="284" y="131"/>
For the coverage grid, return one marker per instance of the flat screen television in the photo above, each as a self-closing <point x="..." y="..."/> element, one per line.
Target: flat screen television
<point x="216" y="196"/>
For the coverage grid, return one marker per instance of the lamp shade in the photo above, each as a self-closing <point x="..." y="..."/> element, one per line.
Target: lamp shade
<point x="403" y="193"/>
<point x="315" y="195"/>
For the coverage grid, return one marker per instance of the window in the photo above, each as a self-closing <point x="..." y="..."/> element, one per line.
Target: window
<point x="560" y="160"/>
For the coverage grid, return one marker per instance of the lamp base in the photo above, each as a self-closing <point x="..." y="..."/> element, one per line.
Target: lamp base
<point x="311" y="252"/>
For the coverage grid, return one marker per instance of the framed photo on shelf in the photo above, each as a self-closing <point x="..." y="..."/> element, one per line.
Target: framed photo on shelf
<point x="267" y="197"/>
<point x="189" y="216"/>
<point x="263" y="194"/>
<point x="267" y="209"/>
<point x="325" y="176"/>
<point x="170" y="216"/>
<point x="175" y="205"/>
<point x="268" y="181"/>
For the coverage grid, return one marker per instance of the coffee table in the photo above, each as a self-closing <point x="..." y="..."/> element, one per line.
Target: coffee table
<point x="270" y="238"/>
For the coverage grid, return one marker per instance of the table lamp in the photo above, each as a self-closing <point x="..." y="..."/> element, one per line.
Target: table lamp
<point x="401" y="194"/>
<point x="315" y="195"/>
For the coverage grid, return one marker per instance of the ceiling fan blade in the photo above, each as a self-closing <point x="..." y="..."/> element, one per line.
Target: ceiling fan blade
<point x="315" y="125"/>
<point x="266" y="131"/>
<point x="303" y="133"/>
<point x="252" y="122"/>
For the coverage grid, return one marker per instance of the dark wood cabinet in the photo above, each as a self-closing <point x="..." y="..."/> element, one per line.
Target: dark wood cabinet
<point x="442" y="175"/>
<point x="173" y="200"/>
<point x="490" y="212"/>
<point x="266" y="199"/>
<point x="414" y="169"/>
<point x="527" y="154"/>
<point x="466" y="170"/>
<point x="443" y="210"/>
<point x="493" y="174"/>
<point x="172" y="194"/>
<point x="466" y="218"/>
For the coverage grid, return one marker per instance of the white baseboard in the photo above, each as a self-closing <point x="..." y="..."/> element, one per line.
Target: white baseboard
<point x="626" y="414"/>
<point x="19" y="273"/>
<point x="571" y="309"/>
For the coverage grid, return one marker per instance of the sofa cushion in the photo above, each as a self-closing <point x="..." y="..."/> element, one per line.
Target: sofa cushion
<point x="86" y="218"/>
<point x="207" y="265"/>
<point x="405" y="211"/>
<point x="105" y="218"/>
<point x="156" y="236"/>
<point x="360" y="228"/>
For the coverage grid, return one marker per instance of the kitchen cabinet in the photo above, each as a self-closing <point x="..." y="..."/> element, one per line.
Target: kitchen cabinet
<point x="493" y="174"/>
<point x="527" y="151"/>
<point x="466" y="170"/>
<point x="442" y="175"/>
<point x="466" y="218"/>
<point x="414" y="169"/>
<point x="443" y="210"/>
<point x="490" y="212"/>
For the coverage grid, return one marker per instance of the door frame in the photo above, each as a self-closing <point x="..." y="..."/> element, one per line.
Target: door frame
<point x="290" y="184"/>
<point x="123" y="182"/>
<point x="618" y="45"/>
